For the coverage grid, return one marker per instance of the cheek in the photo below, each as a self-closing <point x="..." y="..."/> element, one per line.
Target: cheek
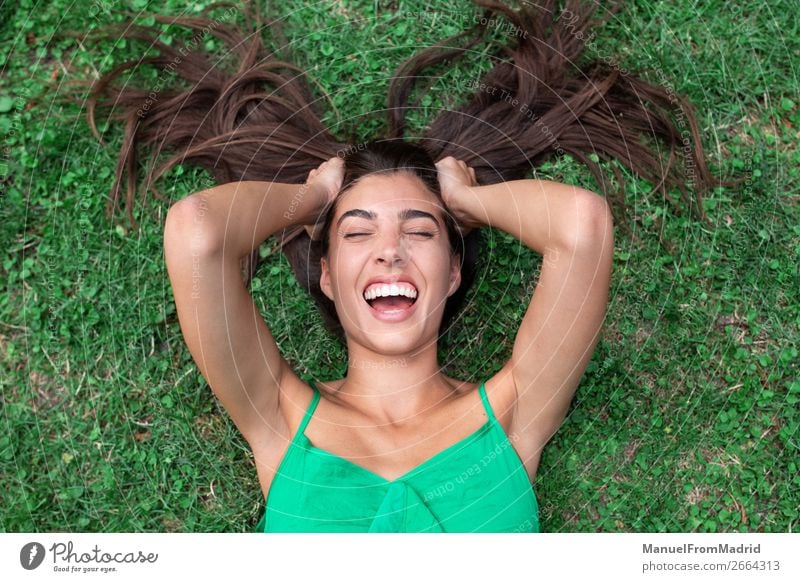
<point x="437" y="268"/>
<point x="342" y="275"/>
<point x="442" y="260"/>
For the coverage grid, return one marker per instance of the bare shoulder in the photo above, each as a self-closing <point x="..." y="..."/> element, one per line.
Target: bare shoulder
<point x="519" y="425"/>
<point x="502" y="395"/>
<point x="499" y="391"/>
<point x="294" y="398"/>
<point x="270" y="441"/>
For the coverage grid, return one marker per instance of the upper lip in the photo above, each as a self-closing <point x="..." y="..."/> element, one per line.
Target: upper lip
<point x="389" y="279"/>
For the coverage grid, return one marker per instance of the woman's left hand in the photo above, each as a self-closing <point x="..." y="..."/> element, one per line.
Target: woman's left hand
<point x="455" y="179"/>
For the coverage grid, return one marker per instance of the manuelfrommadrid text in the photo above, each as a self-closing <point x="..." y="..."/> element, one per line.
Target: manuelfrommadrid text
<point x="693" y="549"/>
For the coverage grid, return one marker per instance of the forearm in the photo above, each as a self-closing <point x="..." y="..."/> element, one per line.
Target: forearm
<point x="239" y="216"/>
<point x="545" y="216"/>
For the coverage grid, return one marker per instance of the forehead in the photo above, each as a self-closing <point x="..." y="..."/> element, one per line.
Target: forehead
<point x="399" y="190"/>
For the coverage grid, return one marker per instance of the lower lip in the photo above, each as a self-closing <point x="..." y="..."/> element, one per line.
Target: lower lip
<point x="395" y="315"/>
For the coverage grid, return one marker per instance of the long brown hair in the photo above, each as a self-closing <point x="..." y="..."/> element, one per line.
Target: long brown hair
<point x="262" y="122"/>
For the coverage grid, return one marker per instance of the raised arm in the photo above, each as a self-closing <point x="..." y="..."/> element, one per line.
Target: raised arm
<point x="572" y="228"/>
<point x="205" y="237"/>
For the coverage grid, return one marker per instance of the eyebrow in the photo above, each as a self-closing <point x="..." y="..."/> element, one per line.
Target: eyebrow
<point x="406" y="214"/>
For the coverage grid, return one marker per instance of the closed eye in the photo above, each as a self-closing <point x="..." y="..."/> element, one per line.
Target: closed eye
<point x="424" y="234"/>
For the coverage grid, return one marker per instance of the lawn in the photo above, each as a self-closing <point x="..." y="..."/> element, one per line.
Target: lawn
<point x="686" y="420"/>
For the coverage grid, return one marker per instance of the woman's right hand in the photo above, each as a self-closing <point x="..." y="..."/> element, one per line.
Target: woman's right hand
<point x="456" y="180"/>
<point x="325" y="181"/>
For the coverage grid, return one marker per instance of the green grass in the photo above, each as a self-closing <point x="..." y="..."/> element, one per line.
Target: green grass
<point x="686" y="420"/>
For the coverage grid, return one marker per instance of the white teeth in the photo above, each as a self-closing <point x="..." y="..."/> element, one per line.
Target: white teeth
<point x="393" y="290"/>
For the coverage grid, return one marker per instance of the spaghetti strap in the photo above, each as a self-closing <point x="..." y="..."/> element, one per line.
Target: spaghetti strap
<point x="310" y="410"/>
<point x="486" y="405"/>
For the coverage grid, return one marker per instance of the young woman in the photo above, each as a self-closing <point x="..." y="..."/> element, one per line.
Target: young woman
<point x="393" y="447"/>
<point x="384" y="236"/>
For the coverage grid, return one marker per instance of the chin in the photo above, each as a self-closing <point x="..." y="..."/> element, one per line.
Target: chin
<point x="398" y="343"/>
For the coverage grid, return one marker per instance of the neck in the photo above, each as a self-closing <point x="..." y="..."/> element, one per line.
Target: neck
<point x="394" y="389"/>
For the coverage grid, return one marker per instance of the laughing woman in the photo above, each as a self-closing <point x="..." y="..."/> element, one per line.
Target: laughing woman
<point x="388" y="447"/>
<point x="384" y="235"/>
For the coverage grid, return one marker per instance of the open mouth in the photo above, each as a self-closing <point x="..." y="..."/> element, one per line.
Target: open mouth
<point x="390" y="297"/>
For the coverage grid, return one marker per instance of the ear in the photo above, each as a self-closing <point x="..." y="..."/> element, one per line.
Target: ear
<point x="325" y="278"/>
<point x="455" y="274"/>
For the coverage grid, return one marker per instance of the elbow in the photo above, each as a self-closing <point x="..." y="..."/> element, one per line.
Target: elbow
<point x="188" y="227"/>
<point x="594" y="224"/>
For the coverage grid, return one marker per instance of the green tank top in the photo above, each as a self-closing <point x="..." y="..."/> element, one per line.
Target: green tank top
<point x="479" y="484"/>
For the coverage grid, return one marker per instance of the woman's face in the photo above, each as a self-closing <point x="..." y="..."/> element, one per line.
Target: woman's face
<point x="389" y="268"/>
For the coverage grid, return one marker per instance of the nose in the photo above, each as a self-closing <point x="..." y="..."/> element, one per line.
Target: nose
<point x="392" y="250"/>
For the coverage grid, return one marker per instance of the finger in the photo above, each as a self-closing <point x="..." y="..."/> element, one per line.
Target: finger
<point x="313" y="231"/>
